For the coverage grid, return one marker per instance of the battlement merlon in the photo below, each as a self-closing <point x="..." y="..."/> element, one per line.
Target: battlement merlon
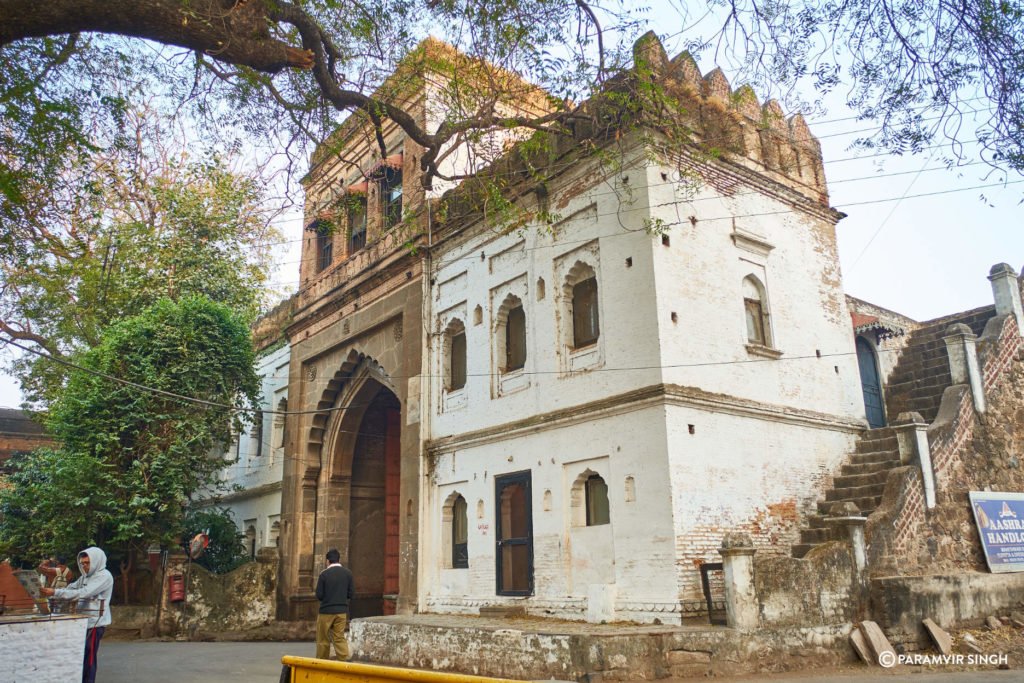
<point x="733" y="123"/>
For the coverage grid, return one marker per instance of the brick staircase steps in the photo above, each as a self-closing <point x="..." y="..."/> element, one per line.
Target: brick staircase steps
<point x="853" y="469"/>
<point x="865" y="505"/>
<point x="868" y="479"/>
<point x="873" y="456"/>
<point x="854" y="492"/>
<point x="819" y="535"/>
<point x="935" y="381"/>
<point x="865" y="446"/>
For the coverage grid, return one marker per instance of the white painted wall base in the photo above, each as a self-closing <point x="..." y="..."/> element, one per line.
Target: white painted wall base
<point x="37" y="649"/>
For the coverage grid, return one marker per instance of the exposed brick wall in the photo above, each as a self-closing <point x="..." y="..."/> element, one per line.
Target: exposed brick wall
<point x="19" y="433"/>
<point x="947" y="442"/>
<point x="997" y="358"/>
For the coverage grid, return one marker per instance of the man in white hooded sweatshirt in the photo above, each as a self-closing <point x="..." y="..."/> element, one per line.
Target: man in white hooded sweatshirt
<point x="93" y="586"/>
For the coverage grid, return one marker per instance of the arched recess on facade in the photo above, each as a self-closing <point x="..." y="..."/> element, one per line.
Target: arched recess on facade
<point x="580" y="306"/>
<point x="354" y="452"/>
<point x="365" y="383"/>
<point x="510" y="334"/>
<point x="586" y="508"/>
<point x="355" y="384"/>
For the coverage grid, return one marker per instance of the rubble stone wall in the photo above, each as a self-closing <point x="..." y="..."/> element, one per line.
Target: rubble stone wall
<point x="239" y="600"/>
<point x="481" y="647"/>
<point x="902" y="602"/>
<point x="817" y="590"/>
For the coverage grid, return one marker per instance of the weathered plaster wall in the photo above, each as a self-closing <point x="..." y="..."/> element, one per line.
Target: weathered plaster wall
<point x="735" y="226"/>
<point x="768" y="431"/>
<point x="760" y="472"/>
<point x="42" y="650"/>
<point x="241" y="599"/>
<point x="564" y="651"/>
<point x="634" y="553"/>
<point x="902" y="602"/>
<point x="818" y="589"/>
<point x="481" y="267"/>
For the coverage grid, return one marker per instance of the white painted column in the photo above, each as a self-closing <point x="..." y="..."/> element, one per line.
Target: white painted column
<point x="1006" y="292"/>
<point x="741" y="607"/>
<point x="912" y="436"/>
<point x="963" y="361"/>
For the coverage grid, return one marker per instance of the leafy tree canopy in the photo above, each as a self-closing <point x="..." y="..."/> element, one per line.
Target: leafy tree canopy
<point x="921" y="70"/>
<point x="289" y="72"/>
<point x="130" y="459"/>
<point x="137" y="222"/>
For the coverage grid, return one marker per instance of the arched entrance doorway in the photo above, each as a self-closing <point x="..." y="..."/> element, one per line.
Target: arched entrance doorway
<point x="373" y="507"/>
<point x="870" y="383"/>
<point x="350" y="491"/>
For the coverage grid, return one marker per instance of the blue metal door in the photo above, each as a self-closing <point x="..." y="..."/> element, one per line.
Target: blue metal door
<point x="870" y="383"/>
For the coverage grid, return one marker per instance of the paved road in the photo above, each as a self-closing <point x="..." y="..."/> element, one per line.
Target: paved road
<point x="169" y="662"/>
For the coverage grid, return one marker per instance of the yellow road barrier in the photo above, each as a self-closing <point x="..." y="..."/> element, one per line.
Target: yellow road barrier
<point x="310" y="670"/>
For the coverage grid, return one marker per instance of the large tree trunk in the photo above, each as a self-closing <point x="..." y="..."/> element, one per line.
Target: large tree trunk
<point x="233" y="31"/>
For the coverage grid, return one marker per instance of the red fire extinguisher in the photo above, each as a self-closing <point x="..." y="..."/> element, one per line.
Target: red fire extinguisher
<point x="176" y="587"/>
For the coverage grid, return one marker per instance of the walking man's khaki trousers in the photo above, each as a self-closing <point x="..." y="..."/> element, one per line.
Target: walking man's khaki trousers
<point x="330" y="628"/>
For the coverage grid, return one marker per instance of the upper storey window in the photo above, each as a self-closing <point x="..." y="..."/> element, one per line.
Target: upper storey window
<point x="356" y="223"/>
<point x="515" y="338"/>
<point x="324" y="244"/>
<point x="756" y="308"/>
<point x="585" y="324"/>
<point x="391" y="197"/>
<point x="455" y="356"/>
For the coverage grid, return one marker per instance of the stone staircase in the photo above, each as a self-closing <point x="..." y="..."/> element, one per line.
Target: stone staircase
<point x="922" y="374"/>
<point x="916" y="384"/>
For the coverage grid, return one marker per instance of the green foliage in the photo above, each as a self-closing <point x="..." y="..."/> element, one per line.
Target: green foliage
<point x="227" y="549"/>
<point x="144" y="224"/>
<point x="131" y="459"/>
<point x="49" y="97"/>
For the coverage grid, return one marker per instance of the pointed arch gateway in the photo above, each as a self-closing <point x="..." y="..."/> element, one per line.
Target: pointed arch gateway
<point x="354" y="447"/>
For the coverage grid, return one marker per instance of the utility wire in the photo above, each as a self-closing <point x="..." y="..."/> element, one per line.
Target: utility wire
<point x="719" y="218"/>
<point x="240" y="409"/>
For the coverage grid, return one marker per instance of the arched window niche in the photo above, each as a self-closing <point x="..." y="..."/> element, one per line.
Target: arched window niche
<point x="581" y="293"/>
<point x="588" y="500"/>
<point x="760" y="339"/>
<point x="454" y="355"/>
<point x="511" y="335"/>
<point x="455" y="532"/>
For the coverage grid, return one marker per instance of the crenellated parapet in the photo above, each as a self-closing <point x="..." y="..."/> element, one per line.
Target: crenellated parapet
<point x="734" y="123"/>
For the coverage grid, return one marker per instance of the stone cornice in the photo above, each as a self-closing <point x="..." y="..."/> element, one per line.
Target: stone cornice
<point x="639" y="399"/>
<point x="352" y="289"/>
<point x="761" y="181"/>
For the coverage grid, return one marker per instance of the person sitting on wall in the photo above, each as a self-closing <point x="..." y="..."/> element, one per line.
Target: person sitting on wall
<point x="92" y="590"/>
<point x="56" y="572"/>
<point x="334" y="591"/>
